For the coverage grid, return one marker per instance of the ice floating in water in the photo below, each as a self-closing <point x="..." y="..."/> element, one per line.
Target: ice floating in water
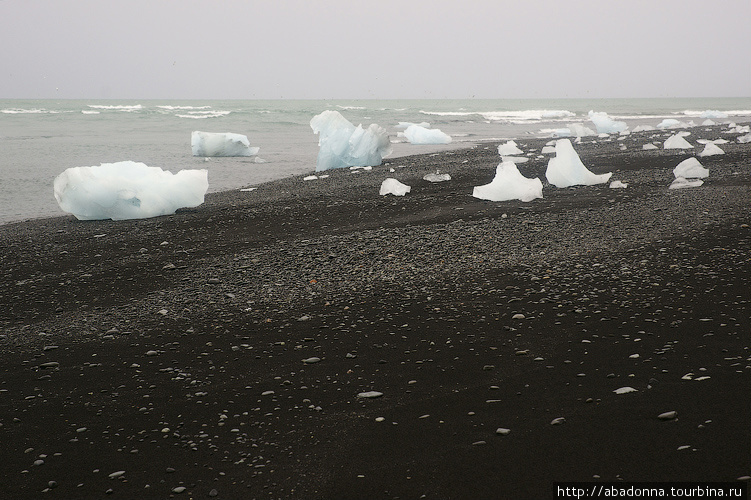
<point x="437" y="177"/>
<point x="509" y="184"/>
<point x="618" y="185"/>
<point x="567" y="169"/>
<point x="691" y="168"/>
<point x="221" y="144"/>
<point x="393" y="186"/>
<point x="670" y="123"/>
<point x="127" y="190"/>
<point x="711" y="149"/>
<point x="509" y="148"/>
<point x="417" y="134"/>
<point x="404" y="125"/>
<point x="341" y="144"/>
<point x="677" y="142"/>
<point x="605" y="124"/>
<point x="680" y="183"/>
<point x="713" y="113"/>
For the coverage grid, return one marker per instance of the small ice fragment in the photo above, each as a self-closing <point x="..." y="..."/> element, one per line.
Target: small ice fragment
<point x="221" y="144"/>
<point x="509" y="148"/>
<point x="437" y="177"/>
<point x="690" y="169"/>
<point x="393" y="186"/>
<point x="618" y="185"/>
<point x="680" y="183"/>
<point x="567" y="169"/>
<point x="711" y="149"/>
<point x="509" y="184"/>
<point x="416" y="134"/>
<point x="677" y="142"/>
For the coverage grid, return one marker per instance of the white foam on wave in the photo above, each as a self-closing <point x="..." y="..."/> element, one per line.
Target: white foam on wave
<point x="350" y="107"/>
<point x="172" y="108"/>
<point x="119" y="107"/>
<point x="34" y="111"/>
<point x="199" y="115"/>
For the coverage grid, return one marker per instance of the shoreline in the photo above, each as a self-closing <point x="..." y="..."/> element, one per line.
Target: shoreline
<point x="248" y="326"/>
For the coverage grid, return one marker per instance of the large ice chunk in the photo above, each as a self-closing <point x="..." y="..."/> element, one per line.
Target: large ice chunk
<point x="509" y="184"/>
<point x="127" y="190"/>
<point x="393" y="186"/>
<point x="691" y="169"/>
<point x="417" y="134"/>
<point x="509" y="148"/>
<point x="677" y="142"/>
<point x="711" y="149"/>
<point x="341" y="144"/>
<point x="605" y="124"/>
<point x="567" y="169"/>
<point x="221" y="144"/>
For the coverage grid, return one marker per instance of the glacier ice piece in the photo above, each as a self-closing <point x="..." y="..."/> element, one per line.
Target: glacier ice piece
<point x="509" y="148"/>
<point x="127" y="190"/>
<point x="643" y="128"/>
<point x="566" y="168"/>
<point x="417" y="134"/>
<point x="691" y="169"/>
<point x="713" y="113"/>
<point x="744" y="139"/>
<point x="509" y="184"/>
<point x="671" y="123"/>
<point x="618" y="185"/>
<point x="677" y="142"/>
<point x="404" y="125"/>
<point x="437" y="177"/>
<point x="649" y="146"/>
<point x="681" y="182"/>
<point x="341" y="144"/>
<point x="605" y="124"/>
<point x="221" y="144"/>
<point x="711" y="149"/>
<point x="393" y="186"/>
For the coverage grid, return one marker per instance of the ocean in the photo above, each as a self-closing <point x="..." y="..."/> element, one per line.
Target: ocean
<point x="41" y="138"/>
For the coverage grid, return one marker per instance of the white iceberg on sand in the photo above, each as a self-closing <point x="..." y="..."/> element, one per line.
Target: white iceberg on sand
<point x="509" y="184"/>
<point x="341" y="144"/>
<point x="711" y="149"/>
<point x="509" y="148"/>
<point x="649" y="146"/>
<point x="681" y="182"/>
<point x="605" y="124"/>
<point x="221" y="144"/>
<point x="677" y="142"/>
<point x="567" y="169"/>
<point x="393" y="186"/>
<point x="127" y="190"/>
<point x="417" y="134"/>
<point x="437" y="177"/>
<point x="691" y="169"/>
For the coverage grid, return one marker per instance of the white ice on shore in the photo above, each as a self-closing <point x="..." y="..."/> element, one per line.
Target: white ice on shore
<point x="437" y="177"/>
<point x="605" y="124"/>
<point x="618" y="185"/>
<point x="404" y="125"/>
<point x="649" y="146"/>
<point x="744" y="139"/>
<point x="509" y="148"/>
<point x="417" y="134"/>
<point x="393" y="186"/>
<point x="580" y="130"/>
<point x="690" y="169"/>
<point x="221" y="144"/>
<point x="566" y="168"/>
<point x="677" y="142"/>
<point x="681" y="182"/>
<point x="127" y="190"/>
<point x="711" y="149"/>
<point x="643" y="128"/>
<point x="341" y="144"/>
<point x="509" y="184"/>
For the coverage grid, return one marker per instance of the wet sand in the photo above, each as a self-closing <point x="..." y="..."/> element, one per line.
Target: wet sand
<point x="220" y="352"/>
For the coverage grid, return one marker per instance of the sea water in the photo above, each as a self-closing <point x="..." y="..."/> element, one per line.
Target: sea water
<point x="41" y="138"/>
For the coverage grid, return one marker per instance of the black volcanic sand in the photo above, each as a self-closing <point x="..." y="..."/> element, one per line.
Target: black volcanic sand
<point x="182" y="349"/>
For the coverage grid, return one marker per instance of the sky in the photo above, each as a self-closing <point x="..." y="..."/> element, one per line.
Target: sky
<point x="368" y="49"/>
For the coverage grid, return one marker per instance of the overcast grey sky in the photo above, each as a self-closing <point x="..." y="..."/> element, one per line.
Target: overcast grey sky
<point x="216" y="49"/>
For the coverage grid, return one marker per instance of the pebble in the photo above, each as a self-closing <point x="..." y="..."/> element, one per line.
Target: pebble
<point x="370" y="394"/>
<point x="557" y="421"/>
<point x="117" y="474"/>
<point x="213" y="493"/>
<point x="668" y="415"/>
<point x="152" y="353"/>
<point x="624" y="390"/>
<point x="502" y="432"/>
<point x="518" y="316"/>
<point x="267" y="393"/>
<point x="312" y="360"/>
<point x="179" y="489"/>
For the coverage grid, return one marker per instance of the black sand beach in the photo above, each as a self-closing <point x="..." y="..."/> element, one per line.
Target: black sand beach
<point x="220" y="352"/>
